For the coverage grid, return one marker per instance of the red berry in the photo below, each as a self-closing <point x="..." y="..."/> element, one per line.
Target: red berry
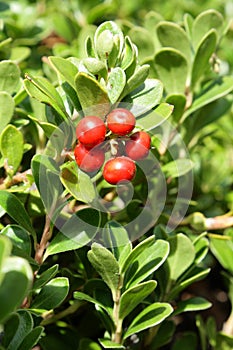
<point x="89" y="160"/>
<point x="91" y="131"/>
<point x="138" y="146"/>
<point x="119" y="169"/>
<point x="121" y="121"/>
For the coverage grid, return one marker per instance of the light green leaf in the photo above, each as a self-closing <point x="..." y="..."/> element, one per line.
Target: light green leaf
<point x="192" y="304"/>
<point x="116" y="84"/>
<point x="78" y="231"/>
<point x="52" y="294"/>
<point x="64" y="67"/>
<point x="204" y="22"/>
<point x="7" y="106"/>
<point x="172" y="35"/>
<point x="116" y="237"/>
<point x="145" y="263"/>
<point x="77" y="182"/>
<point x="90" y="51"/>
<point x="179" y="103"/>
<point x="201" y="246"/>
<point x="155" y="117"/>
<point x="106" y="265"/>
<point x="202" y="56"/>
<point x="19" y="237"/>
<point x="9" y="77"/>
<point x="19" y="54"/>
<point x="144" y="40"/>
<point x="128" y="54"/>
<point x="133" y="296"/>
<point x="85" y="297"/>
<point x="15" y="209"/>
<point x="108" y="344"/>
<point x="5" y="250"/>
<point x="181" y="256"/>
<point x="149" y="317"/>
<point x="45" y="277"/>
<point x="95" y="66"/>
<point x="223" y="251"/>
<point x="31" y="338"/>
<point x="136" y="79"/>
<point x="92" y="96"/>
<point x="178" y="167"/>
<point x="144" y="98"/>
<point x="172" y="68"/>
<point x="10" y="137"/>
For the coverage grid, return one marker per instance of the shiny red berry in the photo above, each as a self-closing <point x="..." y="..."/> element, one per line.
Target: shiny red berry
<point x="137" y="147"/>
<point x="121" y="121"/>
<point x="89" y="160"/>
<point x="91" y="131"/>
<point x="119" y="169"/>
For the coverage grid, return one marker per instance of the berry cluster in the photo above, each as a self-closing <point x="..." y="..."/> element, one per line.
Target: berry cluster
<point x="125" y="147"/>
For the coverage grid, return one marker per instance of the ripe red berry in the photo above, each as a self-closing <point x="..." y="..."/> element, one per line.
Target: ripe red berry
<point x="91" y="131"/>
<point x="89" y="160"/>
<point x="138" y="146"/>
<point x="119" y="169"/>
<point x="121" y="121"/>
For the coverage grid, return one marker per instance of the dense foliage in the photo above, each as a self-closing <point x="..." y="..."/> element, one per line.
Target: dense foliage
<point x="87" y="263"/>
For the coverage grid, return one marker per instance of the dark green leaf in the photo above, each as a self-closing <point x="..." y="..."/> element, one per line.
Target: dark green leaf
<point x="45" y="277"/>
<point x="19" y="237"/>
<point x="88" y="344"/>
<point x="149" y="317"/>
<point x="24" y="327"/>
<point x="192" y="304"/>
<point x="7" y="106"/>
<point x="52" y="294"/>
<point x="5" y="250"/>
<point x="85" y="297"/>
<point x="187" y="341"/>
<point x="31" y="338"/>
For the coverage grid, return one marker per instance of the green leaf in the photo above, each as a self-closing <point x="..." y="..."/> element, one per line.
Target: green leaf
<point x="19" y="237"/>
<point x="188" y="340"/>
<point x="181" y="256"/>
<point x="9" y="77"/>
<point x="164" y="335"/>
<point x="95" y="67"/>
<point x="172" y="35"/>
<point x="77" y="183"/>
<point x="15" y="209"/>
<point x="52" y="294"/>
<point x="144" y="98"/>
<point x="90" y="51"/>
<point x="78" y="231"/>
<point x="136" y="79"/>
<point x="223" y="251"/>
<point x="116" y="84"/>
<point x="155" y="117"/>
<point x="31" y="338"/>
<point x="149" y="317"/>
<point x="19" y="54"/>
<point x="42" y="90"/>
<point x="85" y="297"/>
<point x="116" y="237"/>
<point x="211" y="92"/>
<point x="64" y="67"/>
<point x="92" y="96"/>
<point x="201" y="246"/>
<point x="192" y="304"/>
<point x="88" y="344"/>
<point x="7" y="106"/>
<point x="179" y="103"/>
<point x="106" y="265"/>
<point x="128" y="54"/>
<point x="178" y="167"/>
<point x="17" y="272"/>
<point x="5" y="250"/>
<point x="11" y="146"/>
<point x="143" y="39"/>
<point x="172" y="68"/>
<point x="202" y="56"/>
<point x="205" y="21"/>
<point x="108" y="344"/>
<point x="148" y="261"/>
<point x="133" y="296"/>
<point x="45" y="277"/>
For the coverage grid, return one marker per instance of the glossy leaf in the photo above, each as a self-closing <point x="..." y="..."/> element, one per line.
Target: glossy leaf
<point x="31" y="338"/>
<point x="133" y="296"/>
<point x="45" y="277"/>
<point x="7" y="106"/>
<point x="201" y="60"/>
<point x="108" y="344"/>
<point x="144" y="98"/>
<point x="106" y="265"/>
<point x="78" y="231"/>
<point x="64" y="67"/>
<point x="151" y="316"/>
<point x="136" y="79"/>
<point x="116" y="84"/>
<point x="5" y="250"/>
<point x="192" y="304"/>
<point x="10" y="137"/>
<point x="178" y="167"/>
<point x="52" y="294"/>
<point x="116" y="238"/>
<point x="77" y="182"/>
<point x="85" y="297"/>
<point x="92" y="96"/>
<point x="181" y="256"/>
<point x="155" y="117"/>
<point x="164" y="335"/>
<point x="223" y="251"/>
<point x="172" y="68"/>
<point x="15" y="209"/>
<point x="19" y="237"/>
<point x="128" y="54"/>
<point x="172" y="35"/>
<point x="9" y="77"/>
<point x="179" y="103"/>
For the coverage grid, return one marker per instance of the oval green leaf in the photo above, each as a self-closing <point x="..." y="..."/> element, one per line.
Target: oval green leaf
<point x="7" y="106"/>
